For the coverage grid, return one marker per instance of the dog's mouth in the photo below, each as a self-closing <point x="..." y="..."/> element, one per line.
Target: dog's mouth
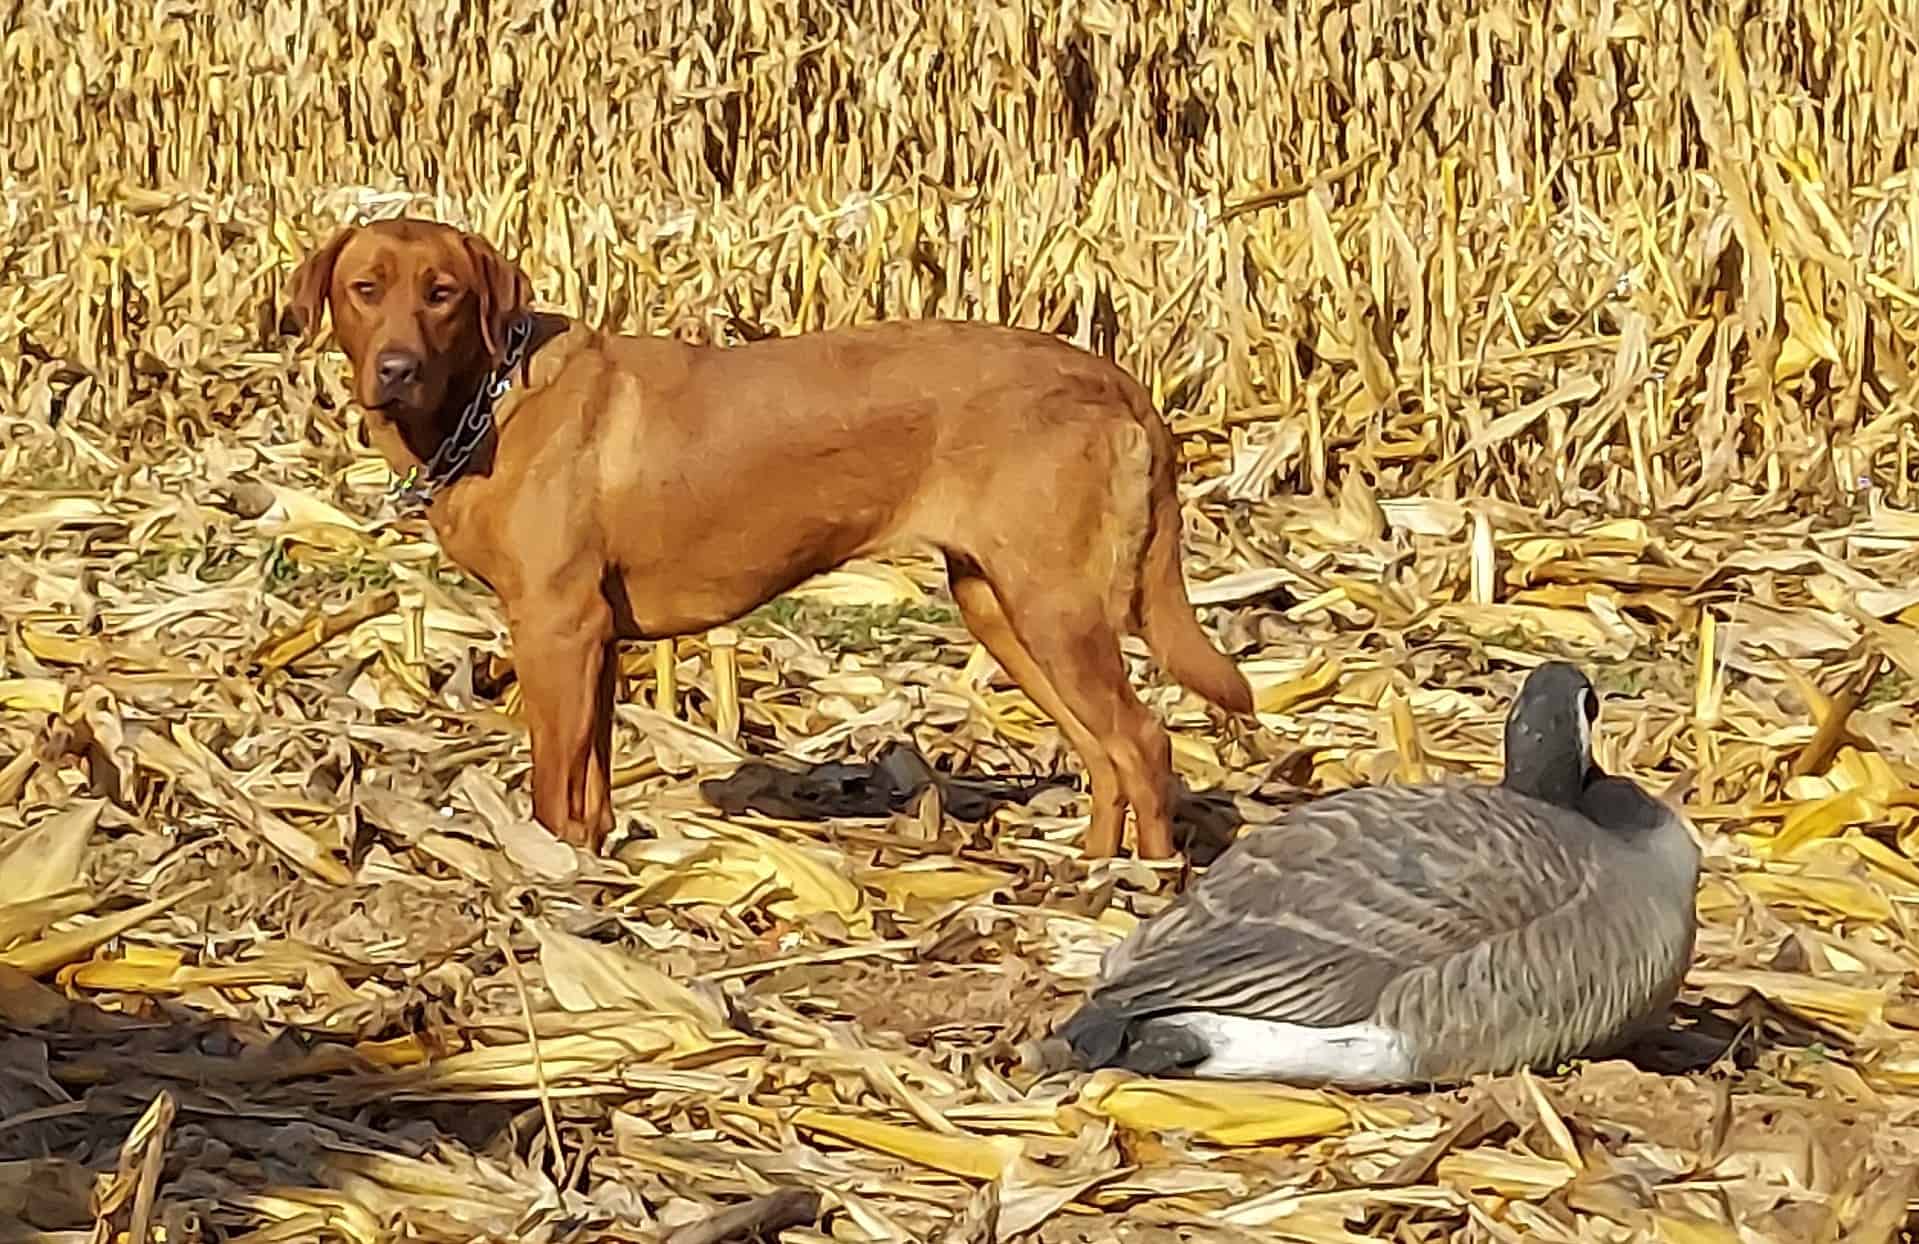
<point x="395" y="401"/>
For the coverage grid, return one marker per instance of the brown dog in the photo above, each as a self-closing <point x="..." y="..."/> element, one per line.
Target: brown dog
<point x="639" y="487"/>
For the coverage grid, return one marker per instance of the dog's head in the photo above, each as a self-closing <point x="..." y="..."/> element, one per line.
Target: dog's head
<point x="420" y="308"/>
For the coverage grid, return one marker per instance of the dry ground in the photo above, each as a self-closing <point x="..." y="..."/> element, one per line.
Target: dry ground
<point x="282" y="938"/>
<point x="1491" y="332"/>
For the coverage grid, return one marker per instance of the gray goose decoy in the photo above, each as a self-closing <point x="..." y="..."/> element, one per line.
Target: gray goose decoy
<point x="1412" y="935"/>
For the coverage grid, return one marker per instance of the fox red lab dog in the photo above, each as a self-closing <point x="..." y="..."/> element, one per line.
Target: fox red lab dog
<point x="611" y="487"/>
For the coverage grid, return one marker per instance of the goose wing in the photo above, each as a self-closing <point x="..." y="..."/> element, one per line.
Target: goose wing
<point x="1308" y="921"/>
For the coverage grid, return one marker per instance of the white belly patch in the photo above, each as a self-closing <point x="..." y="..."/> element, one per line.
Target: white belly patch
<point x="1365" y="1055"/>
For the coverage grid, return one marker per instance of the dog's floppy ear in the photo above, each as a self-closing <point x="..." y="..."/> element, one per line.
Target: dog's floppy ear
<point x="503" y="289"/>
<point x="307" y="292"/>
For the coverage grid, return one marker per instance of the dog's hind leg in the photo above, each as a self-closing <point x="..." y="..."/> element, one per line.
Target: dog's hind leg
<point x="1074" y="646"/>
<point x="986" y="617"/>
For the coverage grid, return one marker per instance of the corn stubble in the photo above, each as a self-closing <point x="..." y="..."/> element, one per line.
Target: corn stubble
<point x="1488" y="332"/>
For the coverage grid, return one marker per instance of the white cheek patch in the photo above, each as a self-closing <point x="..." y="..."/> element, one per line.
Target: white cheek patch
<point x="1585" y="728"/>
<point x="1363" y="1055"/>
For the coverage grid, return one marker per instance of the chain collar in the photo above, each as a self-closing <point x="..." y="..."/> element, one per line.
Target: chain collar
<point x="455" y="454"/>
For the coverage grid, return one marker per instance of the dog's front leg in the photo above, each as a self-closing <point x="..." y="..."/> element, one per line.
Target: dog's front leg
<point x="562" y="653"/>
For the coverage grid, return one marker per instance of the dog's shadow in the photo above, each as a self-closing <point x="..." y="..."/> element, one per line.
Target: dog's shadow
<point x="893" y="782"/>
<point x="1694" y="1040"/>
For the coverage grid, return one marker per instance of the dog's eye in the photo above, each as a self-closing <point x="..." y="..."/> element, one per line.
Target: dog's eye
<point x="440" y="294"/>
<point x="365" y="289"/>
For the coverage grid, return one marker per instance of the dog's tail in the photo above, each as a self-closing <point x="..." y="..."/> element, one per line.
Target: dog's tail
<point x="1166" y="618"/>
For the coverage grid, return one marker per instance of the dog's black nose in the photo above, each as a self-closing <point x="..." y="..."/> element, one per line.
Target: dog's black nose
<point x="396" y="367"/>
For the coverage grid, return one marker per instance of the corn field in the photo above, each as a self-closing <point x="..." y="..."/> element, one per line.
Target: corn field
<point x="1652" y="254"/>
<point x="1491" y="332"/>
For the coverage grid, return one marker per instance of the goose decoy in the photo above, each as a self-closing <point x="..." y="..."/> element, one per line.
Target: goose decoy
<point x="1417" y="935"/>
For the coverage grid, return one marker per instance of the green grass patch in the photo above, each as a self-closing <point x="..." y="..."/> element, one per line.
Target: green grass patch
<point x="1891" y="687"/>
<point x="847" y="628"/>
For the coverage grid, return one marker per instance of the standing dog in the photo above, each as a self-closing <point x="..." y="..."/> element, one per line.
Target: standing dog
<point x="611" y="487"/>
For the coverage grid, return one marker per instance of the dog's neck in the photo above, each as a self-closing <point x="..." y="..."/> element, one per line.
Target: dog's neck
<point x="405" y="448"/>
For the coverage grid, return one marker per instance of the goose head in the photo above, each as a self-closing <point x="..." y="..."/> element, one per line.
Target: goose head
<point x="1549" y="736"/>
